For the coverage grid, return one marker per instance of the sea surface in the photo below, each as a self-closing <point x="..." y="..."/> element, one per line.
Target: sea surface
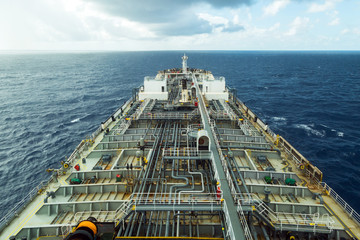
<point x="49" y="102"/>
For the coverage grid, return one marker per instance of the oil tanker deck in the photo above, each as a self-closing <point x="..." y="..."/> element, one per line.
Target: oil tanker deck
<point x="183" y="158"/>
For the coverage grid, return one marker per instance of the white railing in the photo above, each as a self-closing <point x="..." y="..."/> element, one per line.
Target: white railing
<point x="271" y="133"/>
<point x="296" y="220"/>
<point x="230" y="231"/>
<point x="195" y="198"/>
<point x="120" y="124"/>
<point x="352" y="213"/>
<point x="306" y="221"/>
<point x="121" y="109"/>
<point x="260" y="206"/>
<point x="96" y="133"/>
<point x="301" y="162"/>
<point x="124" y="208"/>
<point x="244" y="224"/>
<point x="151" y="106"/>
<point x="170" y="115"/>
<point x="221" y="115"/>
<point x="15" y="211"/>
<point x="192" y="152"/>
<point x="195" y="127"/>
<point x="298" y="163"/>
<point x="140" y="110"/>
<point x="245" y="127"/>
<point x="66" y="229"/>
<point x="101" y="216"/>
<point x="75" y="154"/>
<point x="123" y="126"/>
<point x="109" y="120"/>
<point x="228" y="109"/>
<point x="222" y="159"/>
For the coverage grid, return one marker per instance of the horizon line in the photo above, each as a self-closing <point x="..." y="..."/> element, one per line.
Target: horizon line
<point x="183" y="50"/>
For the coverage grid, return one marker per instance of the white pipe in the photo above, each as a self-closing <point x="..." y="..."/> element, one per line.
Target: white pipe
<point x="186" y="191"/>
<point x="194" y="191"/>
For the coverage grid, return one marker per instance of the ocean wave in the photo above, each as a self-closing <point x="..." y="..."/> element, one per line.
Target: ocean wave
<point x="75" y="120"/>
<point x="340" y="134"/>
<point x="309" y="129"/>
<point x="278" y="119"/>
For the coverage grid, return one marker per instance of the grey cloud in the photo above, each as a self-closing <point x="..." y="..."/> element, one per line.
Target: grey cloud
<point x="229" y="3"/>
<point x="139" y="11"/>
<point x="157" y="11"/>
<point x="168" y="18"/>
<point x="233" y="28"/>
<point x="187" y="27"/>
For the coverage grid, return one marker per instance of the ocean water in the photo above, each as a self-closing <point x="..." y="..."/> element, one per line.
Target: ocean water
<point x="49" y="102"/>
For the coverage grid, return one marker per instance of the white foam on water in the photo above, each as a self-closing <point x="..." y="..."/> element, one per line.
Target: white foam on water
<point x="309" y="129"/>
<point x="278" y="119"/>
<point x="340" y="134"/>
<point x="75" y="120"/>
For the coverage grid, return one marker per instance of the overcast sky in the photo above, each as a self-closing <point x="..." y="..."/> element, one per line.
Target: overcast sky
<point x="180" y="25"/>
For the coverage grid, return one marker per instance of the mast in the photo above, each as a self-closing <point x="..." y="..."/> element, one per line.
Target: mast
<point x="184" y="63"/>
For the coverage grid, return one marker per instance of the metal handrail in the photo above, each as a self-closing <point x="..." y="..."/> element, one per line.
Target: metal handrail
<point x="22" y="204"/>
<point x="189" y="198"/>
<point x="244" y="224"/>
<point x="271" y="133"/>
<point x="124" y="208"/>
<point x="219" y="114"/>
<point x="66" y="229"/>
<point x="142" y="107"/>
<point x="307" y="220"/>
<point x="185" y="152"/>
<point x="115" y="114"/>
<point x="352" y="213"/>
<point x="299" y="219"/>
<point x="74" y="154"/>
<point x="228" y="110"/>
<point x="171" y="115"/>
<point x="79" y="216"/>
<point x="230" y="230"/>
<point x="299" y="163"/>
<point x="223" y="161"/>
<point x="123" y="126"/>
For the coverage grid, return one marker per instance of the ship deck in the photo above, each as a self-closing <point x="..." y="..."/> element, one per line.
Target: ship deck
<point x="200" y="168"/>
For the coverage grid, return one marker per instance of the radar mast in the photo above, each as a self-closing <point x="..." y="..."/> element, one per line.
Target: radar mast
<point x="184" y="63"/>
